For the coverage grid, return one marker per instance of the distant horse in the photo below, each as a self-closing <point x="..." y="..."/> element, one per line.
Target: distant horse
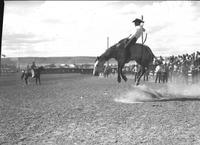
<point x="142" y="54"/>
<point x="25" y="75"/>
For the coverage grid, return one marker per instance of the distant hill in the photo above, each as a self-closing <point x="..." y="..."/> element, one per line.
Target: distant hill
<point x="23" y="61"/>
<point x="56" y="60"/>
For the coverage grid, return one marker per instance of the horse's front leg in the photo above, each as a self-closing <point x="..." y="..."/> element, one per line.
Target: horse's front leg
<point x="39" y="80"/>
<point x="119" y="74"/>
<point x="123" y="76"/>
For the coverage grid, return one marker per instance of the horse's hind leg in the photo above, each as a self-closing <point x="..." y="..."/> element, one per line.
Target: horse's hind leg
<point x="124" y="77"/>
<point x="26" y="81"/>
<point x="122" y="74"/>
<point x="137" y="74"/>
<point x="140" y="75"/>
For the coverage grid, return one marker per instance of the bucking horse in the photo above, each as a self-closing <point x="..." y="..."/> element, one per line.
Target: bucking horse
<point x="141" y="53"/>
<point x="26" y="74"/>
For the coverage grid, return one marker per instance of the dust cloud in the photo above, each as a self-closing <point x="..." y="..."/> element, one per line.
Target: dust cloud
<point x="138" y="94"/>
<point x="184" y="90"/>
<point x="141" y="94"/>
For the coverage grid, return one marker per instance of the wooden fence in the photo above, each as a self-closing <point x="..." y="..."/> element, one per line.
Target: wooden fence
<point x="66" y="70"/>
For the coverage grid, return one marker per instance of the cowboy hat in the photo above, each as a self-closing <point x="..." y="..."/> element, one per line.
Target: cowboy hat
<point x="138" y="20"/>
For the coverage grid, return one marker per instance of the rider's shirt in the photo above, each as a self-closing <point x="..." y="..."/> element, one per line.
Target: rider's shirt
<point x="138" y="32"/>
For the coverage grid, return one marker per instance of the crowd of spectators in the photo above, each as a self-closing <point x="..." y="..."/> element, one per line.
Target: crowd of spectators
<point x="183" y="68"/>
<point x="178" y="68"/>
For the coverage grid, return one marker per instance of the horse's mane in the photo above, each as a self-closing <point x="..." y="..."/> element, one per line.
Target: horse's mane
<point x="116" y="45"/>
<point x="109" y="51"/>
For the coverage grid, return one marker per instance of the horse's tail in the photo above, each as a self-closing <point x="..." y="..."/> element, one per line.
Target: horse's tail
<point x="155" y="58"/>
<point x="152" y="55"/>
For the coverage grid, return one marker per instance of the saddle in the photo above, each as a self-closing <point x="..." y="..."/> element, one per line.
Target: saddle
<point x="125" y="41"/>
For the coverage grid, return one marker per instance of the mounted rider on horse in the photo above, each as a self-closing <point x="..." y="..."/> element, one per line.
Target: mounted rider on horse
<point x="33" y="68"/>
<point x="132" y="38"/>
<point x="126" y="50"/>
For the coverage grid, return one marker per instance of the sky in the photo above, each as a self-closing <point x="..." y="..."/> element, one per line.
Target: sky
<point x="81" y="28"/>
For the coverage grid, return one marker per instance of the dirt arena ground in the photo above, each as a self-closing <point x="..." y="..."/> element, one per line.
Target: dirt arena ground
<point x="75" y="109"/>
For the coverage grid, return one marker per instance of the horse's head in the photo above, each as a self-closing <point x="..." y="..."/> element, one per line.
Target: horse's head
<point x="99" y="65"/>
<point x="110" y="52"/>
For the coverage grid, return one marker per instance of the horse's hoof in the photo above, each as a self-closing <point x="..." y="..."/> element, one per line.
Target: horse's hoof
<point x="125" y="79"/>
<point x="119" y="80"/>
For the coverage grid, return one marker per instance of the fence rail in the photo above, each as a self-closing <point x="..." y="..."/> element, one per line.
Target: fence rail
<point x="66" y="70"/>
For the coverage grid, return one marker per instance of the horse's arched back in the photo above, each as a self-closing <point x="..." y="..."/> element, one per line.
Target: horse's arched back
<point x="142" y="54"/>
<point x="146" y="51"/>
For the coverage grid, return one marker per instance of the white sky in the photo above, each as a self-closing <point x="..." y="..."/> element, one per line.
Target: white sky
<point x="81" y="28"/>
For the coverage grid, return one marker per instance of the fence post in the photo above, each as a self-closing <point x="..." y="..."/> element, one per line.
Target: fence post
<point x="1" y="29"/>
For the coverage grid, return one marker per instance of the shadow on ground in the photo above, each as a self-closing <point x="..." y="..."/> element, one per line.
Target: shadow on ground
<point x="182" y="99"/>
<point x="158" y="97"/>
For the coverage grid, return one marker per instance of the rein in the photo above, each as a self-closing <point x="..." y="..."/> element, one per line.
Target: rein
<point x="144" y="39"/>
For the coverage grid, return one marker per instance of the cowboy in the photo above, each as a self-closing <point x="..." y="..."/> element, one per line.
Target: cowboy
<point x="33" y="67"/>
<point x="158" y="72"/>
<point x="27" y="70"/>
<point x="134" y="37"/>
